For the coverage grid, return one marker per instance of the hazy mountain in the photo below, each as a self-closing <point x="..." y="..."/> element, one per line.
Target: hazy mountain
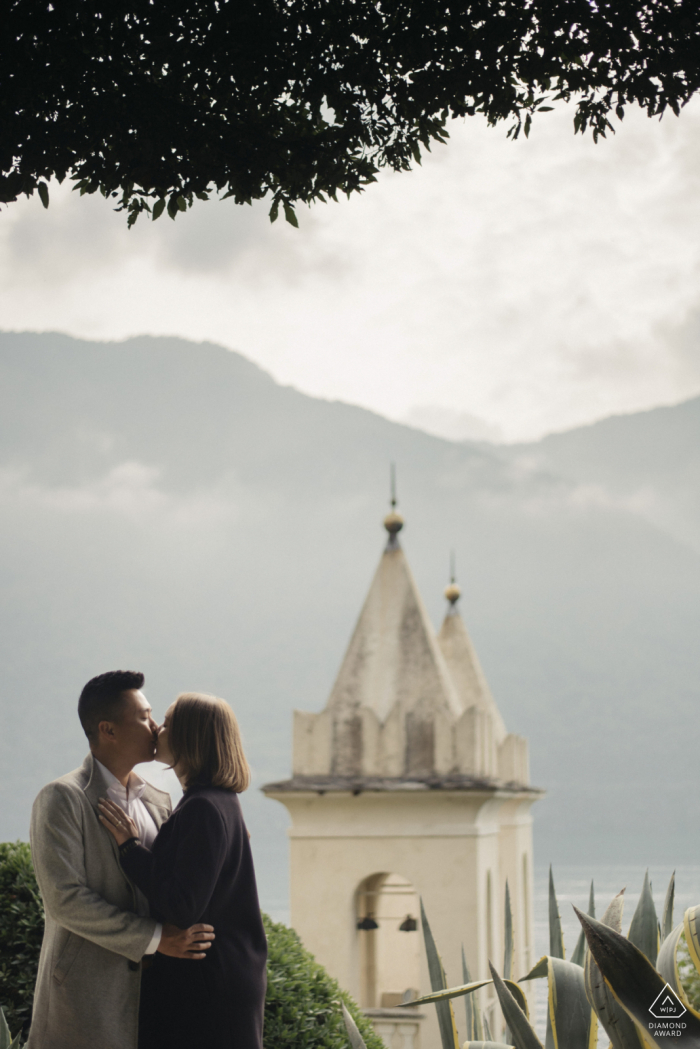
<point x="167" y="506"/>
<point x="647" y="463"/>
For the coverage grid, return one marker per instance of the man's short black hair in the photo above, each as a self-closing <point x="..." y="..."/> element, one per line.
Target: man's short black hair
<point x="102" y="697"/>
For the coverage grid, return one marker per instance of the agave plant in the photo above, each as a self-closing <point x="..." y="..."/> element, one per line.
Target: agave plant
<point x="611" y="981"/>
<point x="6" y="1039"/>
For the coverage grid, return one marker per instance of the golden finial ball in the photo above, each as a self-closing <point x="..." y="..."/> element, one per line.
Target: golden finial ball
<point x="393" y="522"/>
<point x="452" y="592"/>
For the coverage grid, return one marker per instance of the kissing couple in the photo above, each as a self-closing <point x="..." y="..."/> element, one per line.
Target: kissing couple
<point x="153" y="937"/>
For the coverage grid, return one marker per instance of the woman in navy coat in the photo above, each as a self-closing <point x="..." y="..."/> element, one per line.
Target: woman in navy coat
<point x="200" y="869"/>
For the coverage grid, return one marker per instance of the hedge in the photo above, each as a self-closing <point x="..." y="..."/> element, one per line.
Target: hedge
<point x="21" y="931"/>
<point x="302" y="1008"/>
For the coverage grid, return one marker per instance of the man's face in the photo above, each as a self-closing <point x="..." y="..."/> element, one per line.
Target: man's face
<point x="134" y="735"/>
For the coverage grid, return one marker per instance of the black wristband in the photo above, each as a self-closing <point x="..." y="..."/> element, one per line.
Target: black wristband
<point x="128" y="845"/>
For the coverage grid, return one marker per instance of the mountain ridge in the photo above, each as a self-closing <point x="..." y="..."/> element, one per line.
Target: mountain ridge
<point x="164" y="506"/>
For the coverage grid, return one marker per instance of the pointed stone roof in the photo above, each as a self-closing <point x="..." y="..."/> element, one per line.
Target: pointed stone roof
<point x="393" y="659"/>
<point x="406" y="706"/>
<point x="464" y="667"/>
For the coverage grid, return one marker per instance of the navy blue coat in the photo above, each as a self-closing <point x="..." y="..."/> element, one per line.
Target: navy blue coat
<point x="201" y="870"/>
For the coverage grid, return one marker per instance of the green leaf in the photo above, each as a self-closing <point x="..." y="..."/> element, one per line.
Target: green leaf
<point x="540" y="969"/>
<point x="158" y="208"/>
<point x="5" y="1039"/>
<point x="619" y="1028"/>
<point x="43" y="193"/>
<point x="579" y="955"/>
<point x="466" y="989"/>
<point x="667" y="964"/>
<point x="290" y="215"/>
<point x="556" y="936"/>
<point x="446" y="994"/>
<point x="487" y="1045"/>
<point x="667" y="914"/>
<point x="438" y="982"/>
<point x="181" y="204"/>
<point x="521" y="1031"/>
<point x="475" y="1028"/>
<point x="691" y="921"/>
<point x="274" y="210"/>
<point x="356" y="1039"/>
<point x="633" y="980"/>
<point x="570" y="1015"/>
<point x="508" y="935"/>
<point x="644" y="930"/>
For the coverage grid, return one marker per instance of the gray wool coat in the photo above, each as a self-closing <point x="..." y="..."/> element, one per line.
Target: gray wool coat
<point x="97" y="922"/>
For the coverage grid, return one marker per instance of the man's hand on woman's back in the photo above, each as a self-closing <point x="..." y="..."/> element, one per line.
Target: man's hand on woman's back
<point x="189" y="943"/>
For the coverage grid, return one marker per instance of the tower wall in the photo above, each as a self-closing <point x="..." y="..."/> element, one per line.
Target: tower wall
<point x="447" y="844"/>
<point x="407" y="785"/>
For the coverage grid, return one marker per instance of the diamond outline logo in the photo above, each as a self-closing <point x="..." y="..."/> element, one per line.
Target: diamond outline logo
<point x="676" y="1010"/>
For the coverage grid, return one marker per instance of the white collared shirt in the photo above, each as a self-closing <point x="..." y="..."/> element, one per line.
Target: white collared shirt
<point x="129" y="800"/>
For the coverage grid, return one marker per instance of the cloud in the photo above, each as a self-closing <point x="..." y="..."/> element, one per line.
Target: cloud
<point x="129" y="490"/>
<point x="534" y="285"/>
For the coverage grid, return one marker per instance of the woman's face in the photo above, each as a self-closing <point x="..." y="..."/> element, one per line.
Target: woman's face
<point x="163" y="752"/>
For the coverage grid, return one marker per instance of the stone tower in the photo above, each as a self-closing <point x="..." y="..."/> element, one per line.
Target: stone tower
<point x="407" y="785"/>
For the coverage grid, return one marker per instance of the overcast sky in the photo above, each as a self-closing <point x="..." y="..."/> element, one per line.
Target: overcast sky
<point x="533" y="285"/>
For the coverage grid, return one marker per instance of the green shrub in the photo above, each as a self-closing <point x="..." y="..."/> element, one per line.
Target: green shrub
<point x="302" y="1009"/>
<point x="690" y="977"/>
<point x="21" y="930"/>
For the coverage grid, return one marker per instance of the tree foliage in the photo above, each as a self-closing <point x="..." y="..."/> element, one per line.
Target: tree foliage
<point x="156" y="104"/>
<point x="21" y="933"/>
<point x="303" y="1003"/>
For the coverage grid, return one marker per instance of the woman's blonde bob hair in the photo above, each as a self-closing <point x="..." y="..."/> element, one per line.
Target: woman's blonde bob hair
<point x="205" y="743"/>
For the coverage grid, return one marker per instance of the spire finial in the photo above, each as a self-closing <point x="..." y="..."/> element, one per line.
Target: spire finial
<point x="452" y="591"/>
<point x="393" y="522"/>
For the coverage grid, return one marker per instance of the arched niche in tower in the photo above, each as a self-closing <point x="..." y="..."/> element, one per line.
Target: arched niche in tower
<point x="388" y="928"/>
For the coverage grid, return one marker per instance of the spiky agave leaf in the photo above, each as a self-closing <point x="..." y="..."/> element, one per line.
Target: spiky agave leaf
<point x="487" y="1045"/>
<point x="6" y="1040"/>
<point x="509" y="944"/>
<point x="667" y="965"/>
<point x="475" y="1028"/>
<point x="467" y="989"/>
<point x="508" y="936"/>
<point x="691" y="923"/>
<point x="438" y="982"/>
<point x="521" y="1030"/>
<point x="634" y="981"/>
<point x="620" y="1029"/>
<point x="570" y="1016"/>
<point x="571" y="1022"/>
<point x="556" y="935"/>
<point x="644" y="929"/>
<point x="356" y="1039"/>
<point x="667" y="914"/>
<point x="579" y="955"/>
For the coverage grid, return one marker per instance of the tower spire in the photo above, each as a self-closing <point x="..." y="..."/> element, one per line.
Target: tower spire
<point x="393" y="522"/>
<point x="452" y="590"/>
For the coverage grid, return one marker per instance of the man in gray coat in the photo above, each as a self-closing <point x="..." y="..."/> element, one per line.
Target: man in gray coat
<point x="98" y="928"/>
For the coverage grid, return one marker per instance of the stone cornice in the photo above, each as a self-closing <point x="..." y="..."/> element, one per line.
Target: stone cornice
<point x="385" y="784"/>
